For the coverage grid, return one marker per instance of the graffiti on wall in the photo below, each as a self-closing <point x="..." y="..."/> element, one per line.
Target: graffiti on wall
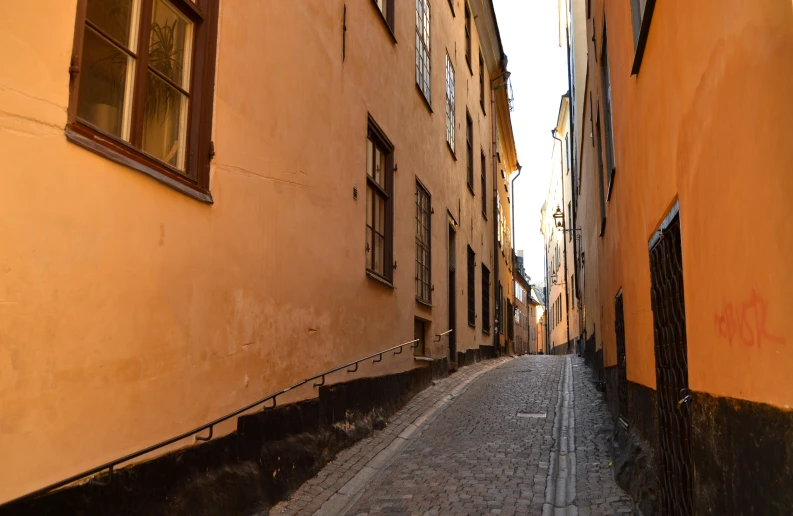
<point x="747" y="323"/>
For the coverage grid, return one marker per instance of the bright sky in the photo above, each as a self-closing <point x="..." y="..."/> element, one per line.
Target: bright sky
<point x="530" y="35"/>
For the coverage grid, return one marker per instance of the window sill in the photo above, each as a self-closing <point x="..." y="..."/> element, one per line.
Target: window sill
<point x="448" y="145"/>
<point x="484" y="216"/>
<point x="486" y="332"/>
<point x="426" y="102"/>
<point x="471" y="189"/>
<point x="424" y="303"/>
<point x="468" y="62"/>
<point x="173" y="180"/>
<point x="385" y="21"/>
<point x="643" y="32"/>
<point x="472" y="325"/>
<point x="482" y="104"/>
<point x="423" y="359"/>
<point x="379" y="279"/>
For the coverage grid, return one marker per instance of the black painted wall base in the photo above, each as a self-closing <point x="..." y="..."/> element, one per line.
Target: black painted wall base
<point x="270" y="455"/>
<point x="742" y="453"/>
<point x="635" y="462"/>
<point x="468" y="357"/>
<point x="743" y="457"/>
<point x="562" y="349"/>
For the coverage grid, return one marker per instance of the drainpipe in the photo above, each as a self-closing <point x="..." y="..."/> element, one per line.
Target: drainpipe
<point x="564" y="238"/>
<point x="547" y="327"/>
<point x="512" y="222"/>
<point x="494" y="151"/>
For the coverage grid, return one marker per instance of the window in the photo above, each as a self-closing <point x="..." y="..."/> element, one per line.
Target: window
<point x="607" y="116"/>
<point x="423" y="65"/>
<point x="484" y="185"/>
<point x="449" y="102"/>
<point x="485" y="299"/>
<point x="482" y="82"/>
<point x="423" y="247"/>
<point x="142" y="86"/>
<point x="386" y="8"/>
<point x="570" y="220"/>
<point x="499" y="309"/>
<point x="599" y="143"/>
<point x="468" y="36"/>
<point x="567" y="153"/>
<point x="469" y="149"/>
<point x="379" y="206"/>
<point x="471" y="287"/>
<point x="641" y="14"/>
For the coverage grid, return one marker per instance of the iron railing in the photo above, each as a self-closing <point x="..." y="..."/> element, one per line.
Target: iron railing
<point x="110" y="466"/>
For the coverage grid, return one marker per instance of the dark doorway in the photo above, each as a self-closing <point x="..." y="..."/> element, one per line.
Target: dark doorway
<point x="452" y="295"/>
<point x="671" y="368"/>
<point x="420" y="334"/>
<point x="622" y="371"/>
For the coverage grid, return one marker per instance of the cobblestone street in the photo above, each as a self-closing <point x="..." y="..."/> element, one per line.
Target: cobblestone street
<point x="514" y="436"/>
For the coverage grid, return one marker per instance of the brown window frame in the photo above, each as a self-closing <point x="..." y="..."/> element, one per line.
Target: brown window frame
<point x="450" y="105"/>
<point x="424" y="51"/>
<point x="423" y="213"/>
<point x="600" y="178"/>
<point x="485" y="299"/>
<point x="468" y="37"/>
<point x="387" y="16"/>
<point x="386" y="193"/>
<point x="484" y="184"/>
<point x="469" y="150"/>
<point x="482" y="82"/>
<point x="471" y="270"/>
<point x="641" y="29"/>
<point x="194" y="179"/>
<point x="608" y="117"/>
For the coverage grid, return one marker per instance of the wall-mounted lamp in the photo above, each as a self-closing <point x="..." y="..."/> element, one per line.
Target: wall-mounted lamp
<point x="558" y="218"/>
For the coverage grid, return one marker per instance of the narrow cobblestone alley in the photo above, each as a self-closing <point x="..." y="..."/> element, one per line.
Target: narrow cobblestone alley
<point x="490" y="439"/>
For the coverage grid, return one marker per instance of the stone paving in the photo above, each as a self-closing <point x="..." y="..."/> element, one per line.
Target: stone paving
<point x="596" y="492"/>
<point x="485" y="451"/>
<point x="316" y="491"/>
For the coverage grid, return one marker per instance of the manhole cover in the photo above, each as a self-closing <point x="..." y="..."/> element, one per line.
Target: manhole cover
<point x="536" y="415"/>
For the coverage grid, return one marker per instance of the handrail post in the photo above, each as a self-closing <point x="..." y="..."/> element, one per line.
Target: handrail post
<point x="208" y="437"/>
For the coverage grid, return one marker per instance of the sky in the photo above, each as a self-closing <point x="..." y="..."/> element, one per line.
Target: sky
<point x="530" y="36"/>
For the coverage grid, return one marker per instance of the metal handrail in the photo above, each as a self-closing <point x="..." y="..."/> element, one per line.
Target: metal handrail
<point x="111" y="466"/>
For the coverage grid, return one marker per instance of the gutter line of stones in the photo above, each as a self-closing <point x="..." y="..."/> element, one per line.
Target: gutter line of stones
<point x="560" y="483"/>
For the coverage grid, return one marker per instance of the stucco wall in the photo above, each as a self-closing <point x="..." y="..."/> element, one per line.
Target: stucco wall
<point x="132" y="312"/>
<point x="715" y="136"/>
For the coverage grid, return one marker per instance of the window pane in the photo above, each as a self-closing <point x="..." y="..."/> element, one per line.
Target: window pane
<point x="380" y="215"/>
<point x="378" y="253"/>
<point x="118" y="18"/>
<point x="170" y="43"/>
<point x="369" y="248"/>
<point x="164" y="125"/>
<point x="369" y="201"/>
<point x="369" y="159"/>
<point x="379" y="165"/>
<point x="105" y="85"/>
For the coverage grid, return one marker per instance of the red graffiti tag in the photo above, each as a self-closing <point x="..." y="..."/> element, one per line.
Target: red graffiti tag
<point x="746" y="322"/>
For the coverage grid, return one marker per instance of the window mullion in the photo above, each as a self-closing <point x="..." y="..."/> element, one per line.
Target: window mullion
<point x="141" y="72"/>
